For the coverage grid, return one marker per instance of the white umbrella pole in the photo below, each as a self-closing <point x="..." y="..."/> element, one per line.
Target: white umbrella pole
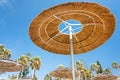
<point x="72" y="53"/>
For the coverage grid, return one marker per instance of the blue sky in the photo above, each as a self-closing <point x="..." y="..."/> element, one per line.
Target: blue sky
<point x="15" y="19"/>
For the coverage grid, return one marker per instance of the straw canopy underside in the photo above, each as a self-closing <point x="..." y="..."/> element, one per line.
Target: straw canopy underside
<point x="9" y="66"/>
<point x="7" y="63"/>
<point x="99" y="26"/>
<point x="11" y="69"/>
<point x="105" y="77"/>
<point x="63" y="73"/>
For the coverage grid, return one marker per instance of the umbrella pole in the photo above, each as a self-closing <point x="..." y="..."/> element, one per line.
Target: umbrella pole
<point x="72" y="53"/>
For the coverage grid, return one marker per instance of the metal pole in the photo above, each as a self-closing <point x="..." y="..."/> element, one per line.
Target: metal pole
<point x="72" y="53"/>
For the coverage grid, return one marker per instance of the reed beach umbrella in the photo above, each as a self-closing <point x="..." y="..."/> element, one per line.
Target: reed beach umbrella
<point x="54" y="31"/>
<point x="9" y="66"/>
<point x="63" y="73"/>
<point x="105" y="77"/>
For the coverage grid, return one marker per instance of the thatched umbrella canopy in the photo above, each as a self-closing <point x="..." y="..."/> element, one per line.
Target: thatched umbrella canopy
<point x="9" y="66"/>
<point x="63" y="73"/>
<point x="105" y="77"/>
<point x="7" y="63"/>
<point x="97" y="22"/>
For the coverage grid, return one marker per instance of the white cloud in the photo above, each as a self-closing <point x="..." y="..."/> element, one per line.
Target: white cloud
<point x="3" y="2"/>
<point x="7" y="3"/>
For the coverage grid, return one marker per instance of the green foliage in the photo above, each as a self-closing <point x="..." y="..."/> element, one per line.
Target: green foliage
<point x="4" y="53"/>
<point x="107" y="71"/>
<point x="100" y="70"/>
<point x="61" y="66"/>
<point x="24" y="60"/>
<point x="35" y="77"/>
<point x="47" y="77"/>
<point x="115" y="65"/>
<point x="1" y="48"/>
<point x="25" y="72"/>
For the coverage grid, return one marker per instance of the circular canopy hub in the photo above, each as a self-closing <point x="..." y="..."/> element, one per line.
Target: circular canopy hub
<point x="76" y="27"/>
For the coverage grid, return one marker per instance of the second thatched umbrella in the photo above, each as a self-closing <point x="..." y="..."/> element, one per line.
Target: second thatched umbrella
<point x="7" y="63"/>
<point x="63" y="73"/>
<point x="105" y="77"/>
<point x="9" y="66"/>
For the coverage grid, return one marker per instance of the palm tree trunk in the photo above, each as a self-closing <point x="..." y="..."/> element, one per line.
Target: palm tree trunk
<point x="21" y="73"/>
<point x="85" y="77"/>
<point x="33" y="73"/>
<point x="79" y="76"/>
<point x="18" y="76"/>
<point x="119" y="72"/>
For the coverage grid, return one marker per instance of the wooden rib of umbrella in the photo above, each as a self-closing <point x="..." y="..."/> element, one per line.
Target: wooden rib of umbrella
<point x="105" y="77"/>
<point x="9" y="66"/>
<point x="98" y="24"/>
<point x="63" y="73"/>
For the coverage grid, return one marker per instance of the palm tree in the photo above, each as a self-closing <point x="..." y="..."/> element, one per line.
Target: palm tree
<point x="89" y="74"/>
<point x="24" y="61"/>
<point x="107" y="71"/>
<point x="6" y="54"/>
<point x="82" y="73"/>
<point x="115" y="65"/>
<point x="35" y="77"/>
<point x="1" y="48"/>
<point x="48" y="77"/>
<point x="60" y="66"/>
<point x="85" y="73"/>
<point x="95" y="68"/>
<point x="35" y="64"/>
<point x="79" y="66"/>
<point x="100" y="70"/>
<point x="1" y="51"/>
